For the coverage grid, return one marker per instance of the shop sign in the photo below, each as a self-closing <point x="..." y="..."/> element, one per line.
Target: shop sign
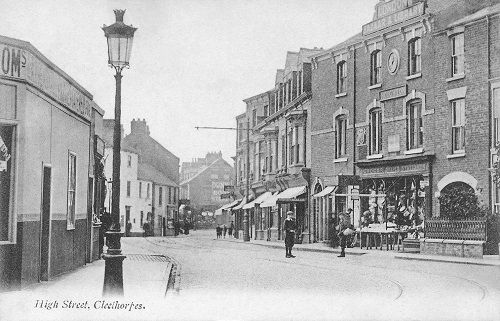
<point x="393" y="93"/>
<point x="394" y="170"/>
<point x="384" y="9"/>
<point x="13" y="61"/>
<point x="22" y="64"/>
<point x="394" y="18"/>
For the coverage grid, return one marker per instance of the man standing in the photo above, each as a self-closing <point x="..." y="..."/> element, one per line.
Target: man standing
<point x="231" y="227"/>
<point x="289" y="228"/>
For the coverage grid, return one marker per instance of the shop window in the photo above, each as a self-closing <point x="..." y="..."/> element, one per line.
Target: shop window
<point x="340" y="136"/>
<point x="160" y="196"/>
<point x="71" y="218"/>
<point x="129" y="161"/>
<point x="341" y="77"/>
<point x="457" y="54"/>
<point x="458" y="126"/>
<point x="414" y="127"/>
<point x="128" y="188"/>
<point x="414" y="56"/>
<point x="6" y="178"/>
<point x="375" y="131"/>
<point x="375" y="67"/>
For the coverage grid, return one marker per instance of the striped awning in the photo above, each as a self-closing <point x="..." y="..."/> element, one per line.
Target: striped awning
<point x="258" y="200"/>
<point x="326" y="191"/>
<point x="290" y="194"/>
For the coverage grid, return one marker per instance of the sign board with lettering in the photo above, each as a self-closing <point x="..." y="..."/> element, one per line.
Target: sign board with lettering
<point x="20" y="64"/>
<point x="393" y="93"/>
<point x="394" y="18"/>
<point x="394" y="170"/>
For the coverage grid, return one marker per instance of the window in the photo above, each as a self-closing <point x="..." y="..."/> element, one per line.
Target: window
<point x="414" y="56"/>
<point x="175" y="195"/>
<point x="375" y="131"/>
<point x="7" y="223"/>
<point x="147" y="190"/>
<point x="128" y="188"/>
<point x="283" y="151"/>
<point x="71" y="190"/>
<point x="266" y="110"/>
<point x="140" y="189"/>
<point x="341" y="77"/>
<point x="457" y="54"/>
<point x="160" y="196"/>
<point x="129" y="161"/>
<point x="261" y="161"/>
<point x="375" y="67"/>
<point x="496" y="111"/>
<point x="142" y="218"/>
<point x="169" y="195"/>
<point x="254" y="117"/>
<point x="340" y="136"/>
<point x="458" y="125"/>
<point x="290" y="146"/>
<point x="296" y="144"/>
<point x="414" y="129"/>
<point x="299" y="82"/>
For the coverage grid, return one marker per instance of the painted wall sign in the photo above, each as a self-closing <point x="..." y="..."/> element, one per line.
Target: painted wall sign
<point x="18" y="63"/>
<point x="394" y="170"/>
<point x="393" y="93"/>
<point x="394" y="18"/>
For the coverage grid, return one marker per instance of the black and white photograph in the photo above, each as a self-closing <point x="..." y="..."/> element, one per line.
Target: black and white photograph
<point x="250" y="160"/>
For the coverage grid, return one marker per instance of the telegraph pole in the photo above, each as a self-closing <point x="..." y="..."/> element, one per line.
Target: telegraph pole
<point x="246" y="223"/>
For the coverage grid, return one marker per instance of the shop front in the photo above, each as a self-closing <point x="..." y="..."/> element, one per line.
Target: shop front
<point x="395" y="194"/>
<point x="257" y="215"/>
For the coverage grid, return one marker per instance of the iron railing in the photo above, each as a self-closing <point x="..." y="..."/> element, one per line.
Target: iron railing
<point x="468" y="229"/>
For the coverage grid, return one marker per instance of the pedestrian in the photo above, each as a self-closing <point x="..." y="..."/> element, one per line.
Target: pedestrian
<point x="344" y="231"/>
<point x="224" y="230"/>
<point x="289" y="228"/>
<point x="231" y="228"/>
<point x="146" y="228"/>
<point x="128" y="227"/>
<point x="219" y="231"/>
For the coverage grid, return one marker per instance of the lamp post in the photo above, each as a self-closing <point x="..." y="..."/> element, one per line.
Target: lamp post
<point x="119" y="37"/>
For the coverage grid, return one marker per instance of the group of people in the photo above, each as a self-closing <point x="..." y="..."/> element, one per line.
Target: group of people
<point x="222" y="230"/>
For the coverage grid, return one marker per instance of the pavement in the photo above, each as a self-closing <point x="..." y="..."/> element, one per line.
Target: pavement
<point x="323" y="247"/>
<point x="78" y="294"/>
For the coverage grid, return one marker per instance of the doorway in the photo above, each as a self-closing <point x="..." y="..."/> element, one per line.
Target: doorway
<point x="45" y="223"/>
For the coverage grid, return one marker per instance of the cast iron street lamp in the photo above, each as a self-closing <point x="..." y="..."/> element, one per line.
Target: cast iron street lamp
<point x="119" y="37"/>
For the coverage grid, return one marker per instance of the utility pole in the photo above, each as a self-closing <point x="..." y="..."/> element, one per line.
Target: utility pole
<point x="246" y="223"/>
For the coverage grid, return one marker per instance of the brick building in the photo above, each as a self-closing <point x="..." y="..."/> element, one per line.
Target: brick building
<point x="203" y="182"/>
<point x="278" y="151"/>
<point x="405" y="109"/>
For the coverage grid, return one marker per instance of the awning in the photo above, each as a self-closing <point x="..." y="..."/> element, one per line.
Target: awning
<point x="240" y="206"/>
<point x="291" y="193"/>
<point x="287" y="195"/>
<point x="258" y="200"/>
<point x="270" y="201"/>
<point x="328" y="190"/>
<point x="227" y="206"/>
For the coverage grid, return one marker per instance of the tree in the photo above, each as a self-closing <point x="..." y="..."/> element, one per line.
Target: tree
<point x="459" y="201"/>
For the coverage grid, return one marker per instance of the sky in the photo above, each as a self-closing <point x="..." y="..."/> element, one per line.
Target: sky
<point x="193" y="61"/>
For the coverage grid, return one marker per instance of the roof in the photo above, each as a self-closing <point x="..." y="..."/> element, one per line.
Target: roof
<point x="149" y="173"/>
<point x="306" y="53"/>
<point x="279" y="76"/>
<point x="349" y="41"/>
<point x="204" y="169"/>
<point x="291" y="61"/>
<point x="477" y="15"/>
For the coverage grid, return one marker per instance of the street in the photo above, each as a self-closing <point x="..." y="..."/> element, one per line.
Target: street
<point x="227" y="279"/>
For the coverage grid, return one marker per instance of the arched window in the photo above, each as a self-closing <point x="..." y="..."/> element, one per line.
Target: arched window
<point x="375" y="67"/>
<point x="340" y="136"/>
<point x="375" y="131"/>
<point x="341" y="77"/>
<point x="414" y="56"/>
<point x="414" y="126"/>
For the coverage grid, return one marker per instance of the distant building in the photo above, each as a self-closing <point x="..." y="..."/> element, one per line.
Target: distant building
<point x="148" y="191"/>
<point x="204" y="180"/>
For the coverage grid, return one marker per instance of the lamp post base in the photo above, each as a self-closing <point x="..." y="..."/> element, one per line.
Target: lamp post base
<point x="113" y="270"/>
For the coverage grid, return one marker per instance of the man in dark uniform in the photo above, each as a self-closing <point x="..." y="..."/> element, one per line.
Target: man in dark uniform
<point x="289" y="228"/>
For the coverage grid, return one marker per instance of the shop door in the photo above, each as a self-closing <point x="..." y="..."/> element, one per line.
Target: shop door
<point x="45" y="224"/>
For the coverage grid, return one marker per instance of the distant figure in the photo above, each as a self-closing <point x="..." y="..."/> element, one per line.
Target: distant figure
<point x="231" y="228"/>
<point x="224" y="230"/>
<point x="146" y="228"/>
<point x="217" y="231"/>
<point x="344" y="231"/>
<point x="128" y="227"/>
<point x="289" y="228"/>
